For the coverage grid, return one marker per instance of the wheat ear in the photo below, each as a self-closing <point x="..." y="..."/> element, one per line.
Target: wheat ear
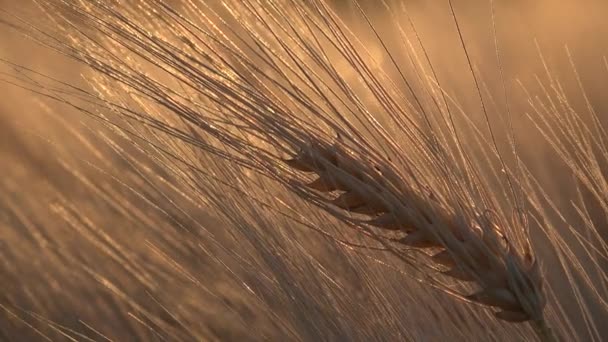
<point x="475" y="252"/>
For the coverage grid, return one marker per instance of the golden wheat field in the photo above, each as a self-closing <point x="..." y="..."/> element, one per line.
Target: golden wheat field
<point x="314" y="170"/>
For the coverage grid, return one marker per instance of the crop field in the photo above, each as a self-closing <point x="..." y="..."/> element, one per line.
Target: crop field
<point x="278" y="170"/>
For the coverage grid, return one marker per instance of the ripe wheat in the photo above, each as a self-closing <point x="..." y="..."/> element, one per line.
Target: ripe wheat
<point x="261" y="82"/>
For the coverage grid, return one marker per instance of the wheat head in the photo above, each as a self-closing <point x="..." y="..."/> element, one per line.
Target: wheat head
<point x="508" y="279"/>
